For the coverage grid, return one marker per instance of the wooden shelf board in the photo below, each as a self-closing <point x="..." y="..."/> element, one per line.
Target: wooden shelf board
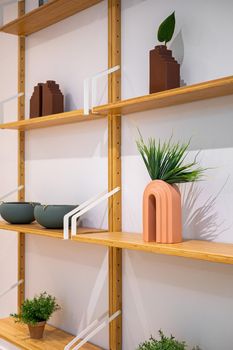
<point x="197" y="92"/>
<point x="54" y="338"/>
<point x="194" y="249"/>
<point x="76" y="116"/>
<point x="46" y="15"/>
<point x="36" y="229"/>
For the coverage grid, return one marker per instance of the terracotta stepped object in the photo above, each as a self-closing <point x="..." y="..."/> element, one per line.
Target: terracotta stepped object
<point x="46" y="99"/>
<point x="164" y="70"/>
<point x="162" y="221"/>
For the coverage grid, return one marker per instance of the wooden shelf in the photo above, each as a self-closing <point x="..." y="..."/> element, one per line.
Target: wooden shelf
<point x="76" y="116"/>
<point x="54" y="338"/>
<point x="194" y="249"/>
<point x="36" y="229"/>
<point x="46" y="15"/>
<point x="197" y="92"/>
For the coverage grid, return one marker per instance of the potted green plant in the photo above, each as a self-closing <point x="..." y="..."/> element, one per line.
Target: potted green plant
<point x="164" y="69"/>
<point x="167" y="166"/>
<point x="36" y="312"/>
<point x="164" y="343"/>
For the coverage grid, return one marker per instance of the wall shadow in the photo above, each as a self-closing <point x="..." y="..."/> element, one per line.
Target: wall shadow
<point x="201" y="222"/>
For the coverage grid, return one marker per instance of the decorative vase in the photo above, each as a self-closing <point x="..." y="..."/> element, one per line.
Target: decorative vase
<point x="37" y="331"/>
<point x="164" y="70"/>
<point x="162" y="218"/>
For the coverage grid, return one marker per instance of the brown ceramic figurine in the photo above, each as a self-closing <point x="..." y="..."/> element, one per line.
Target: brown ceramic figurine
<point x="164" y="69"/>
<point x="53" y="101"/>
<point x="46" y="99"/>
<point x="36" y="102"/>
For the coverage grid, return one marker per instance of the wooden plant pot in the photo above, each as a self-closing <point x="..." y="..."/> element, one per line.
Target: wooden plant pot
<point x="162" y="217"/>
<point x="37" y="331"/>
<point x="164" y="70"/>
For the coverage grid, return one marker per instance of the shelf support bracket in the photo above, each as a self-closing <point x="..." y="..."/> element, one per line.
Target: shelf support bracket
<point x="11" y="288"/>
<point x="5" y="101"/>
<point x="89" y="207"/>
<point x="82" y="209"/>
<point x="19" y="188"/>
<point x="90" y="85"/>
<point x="91" y="330"/>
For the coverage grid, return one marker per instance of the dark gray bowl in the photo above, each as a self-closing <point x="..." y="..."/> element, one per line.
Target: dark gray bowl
<point x="18" y="212"/>
<point x="51" y="216"/>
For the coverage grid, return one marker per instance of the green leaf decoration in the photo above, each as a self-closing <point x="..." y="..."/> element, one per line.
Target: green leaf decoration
<point x="167" y="161"/>
<point x="167" y="28"/>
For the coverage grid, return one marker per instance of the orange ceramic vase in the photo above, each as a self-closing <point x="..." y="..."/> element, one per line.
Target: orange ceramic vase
<point x="162" y="221"/>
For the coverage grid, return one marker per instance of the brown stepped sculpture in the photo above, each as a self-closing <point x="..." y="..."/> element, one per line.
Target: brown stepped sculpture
<point x="164" y="70"/>
<point x="52" y="98"/>
<point x="36" y="102"/>
<point x="46" y="99"/>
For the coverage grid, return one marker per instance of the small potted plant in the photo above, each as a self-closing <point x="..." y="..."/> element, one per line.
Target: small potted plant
<point x="164" y="69"/>
<point x="36" y="312"/>
<point x="164" y="343"/>
<point x="165" y="162"/>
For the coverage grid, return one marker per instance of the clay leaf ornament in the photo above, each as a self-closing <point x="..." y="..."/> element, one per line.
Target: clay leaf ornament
<point x="167" y="28"/>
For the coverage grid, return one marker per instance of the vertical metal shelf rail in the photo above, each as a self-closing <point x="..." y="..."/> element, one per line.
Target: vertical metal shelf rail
<point x="114" y="170"/>
<point x="114" y="166"/>
<point x="21" y="153"/>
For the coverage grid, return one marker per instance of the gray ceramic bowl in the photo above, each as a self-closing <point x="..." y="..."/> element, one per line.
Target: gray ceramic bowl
<point x="51" y="216"/>
<point x="18" y="212"/>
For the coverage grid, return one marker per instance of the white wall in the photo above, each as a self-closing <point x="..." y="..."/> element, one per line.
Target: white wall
<point x="191" y="299"/>
<point x="188" y="298"/>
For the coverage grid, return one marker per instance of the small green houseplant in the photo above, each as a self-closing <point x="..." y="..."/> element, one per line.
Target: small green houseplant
<point x="164" y="343"/>
<point x="166" y="165"/>
<point x="36" y="312"/>
<point x="166" y="161"/>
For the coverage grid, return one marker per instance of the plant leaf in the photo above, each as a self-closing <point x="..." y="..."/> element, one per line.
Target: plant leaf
<point x="167" y="28"/>
<point x="166" y="161"/>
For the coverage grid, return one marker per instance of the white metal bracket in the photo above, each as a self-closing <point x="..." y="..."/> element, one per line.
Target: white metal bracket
<point x="7" y="100"/>
<point x="68" y="216"/>
<point x="88" y="207"/>
<point x="90" y="87"/>
<point x="83" y="208"/>
<point x="11" y="192"/>
<point x="11" y="288"/>
<point x="91" y="330"/>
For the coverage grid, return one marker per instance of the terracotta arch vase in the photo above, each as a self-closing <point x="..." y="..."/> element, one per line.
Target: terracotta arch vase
<point x="162" y="221"/>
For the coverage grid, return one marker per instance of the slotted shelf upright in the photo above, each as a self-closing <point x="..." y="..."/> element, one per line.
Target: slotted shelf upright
<point x="114" y="239"/>
<point x="23" y="26"/>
